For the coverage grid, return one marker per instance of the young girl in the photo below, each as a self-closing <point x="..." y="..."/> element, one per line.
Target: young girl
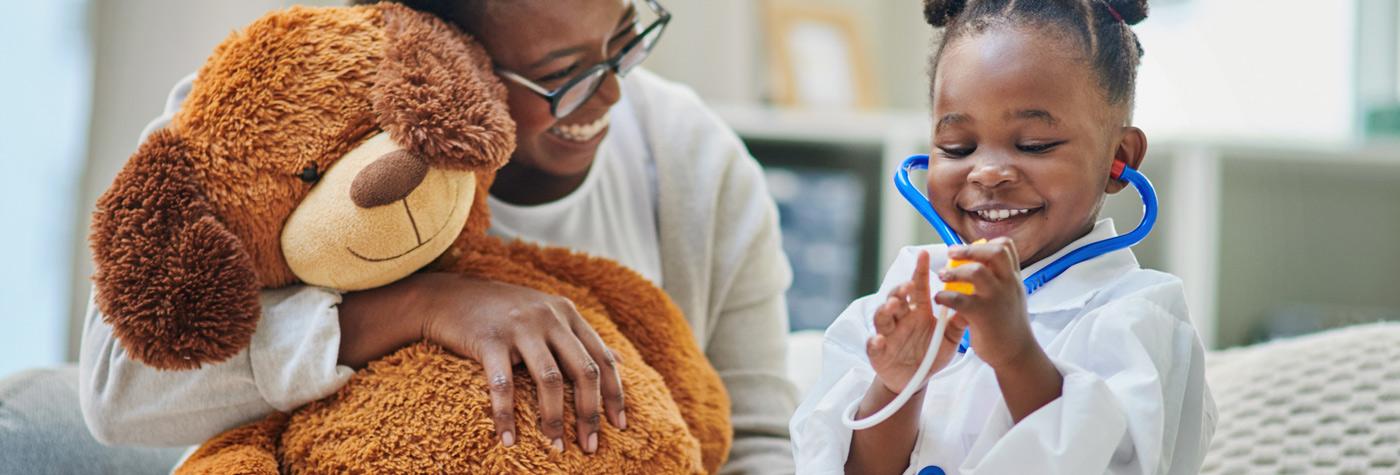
<point x="1099" y="371"/>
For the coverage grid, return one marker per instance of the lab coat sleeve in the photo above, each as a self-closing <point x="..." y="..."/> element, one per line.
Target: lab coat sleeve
<point x="821" y="441"/>
<point x="1133" y="380"/>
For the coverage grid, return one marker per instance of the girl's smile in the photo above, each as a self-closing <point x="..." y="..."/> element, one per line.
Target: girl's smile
<point x="1022" y="148"/>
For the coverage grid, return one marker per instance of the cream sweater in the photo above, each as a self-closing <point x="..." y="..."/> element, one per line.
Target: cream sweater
<point x="721" y="261"/>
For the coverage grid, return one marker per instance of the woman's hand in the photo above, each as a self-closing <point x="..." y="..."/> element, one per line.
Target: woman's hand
<point x="498" y="325"/>
<point x="904" y="325"/>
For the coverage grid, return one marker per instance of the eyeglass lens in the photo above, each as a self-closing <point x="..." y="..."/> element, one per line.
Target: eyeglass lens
<point x="584" y="89"/>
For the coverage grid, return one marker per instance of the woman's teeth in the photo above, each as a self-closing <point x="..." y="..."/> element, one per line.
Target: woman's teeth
<point x="580" y="133"/>
<point x="995" y="215"/>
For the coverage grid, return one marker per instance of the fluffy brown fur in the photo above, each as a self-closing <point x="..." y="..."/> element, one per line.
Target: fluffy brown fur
<point x="403" y="433"/>
<point x="188" y="234"/>
<point x="176" y="285"/>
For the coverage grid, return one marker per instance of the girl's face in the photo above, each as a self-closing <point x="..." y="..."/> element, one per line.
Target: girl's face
<point x="549" y="42"/>
<point x="1023" y="140"/>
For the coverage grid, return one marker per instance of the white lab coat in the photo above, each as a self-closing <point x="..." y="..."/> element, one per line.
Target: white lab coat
<point x="1134" y="399"/>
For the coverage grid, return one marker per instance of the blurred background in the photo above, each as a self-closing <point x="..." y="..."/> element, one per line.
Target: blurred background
<point x="1274" y="129"/>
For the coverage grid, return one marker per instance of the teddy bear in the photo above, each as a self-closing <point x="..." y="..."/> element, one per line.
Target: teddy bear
<point x="349" y="147"/>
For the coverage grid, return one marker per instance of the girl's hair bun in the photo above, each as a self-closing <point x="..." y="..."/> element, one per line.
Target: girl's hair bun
<point x="940" y="13"/>
<point x="1132" y="11"/>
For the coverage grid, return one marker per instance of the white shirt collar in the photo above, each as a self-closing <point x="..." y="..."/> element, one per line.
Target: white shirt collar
<point x="1079" y="283"/>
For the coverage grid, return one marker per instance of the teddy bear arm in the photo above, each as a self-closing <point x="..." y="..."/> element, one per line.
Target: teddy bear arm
<point x="247" y="450"/>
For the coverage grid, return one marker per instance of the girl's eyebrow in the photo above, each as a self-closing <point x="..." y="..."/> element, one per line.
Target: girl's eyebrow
<point x="627" y="14"/>
<point x="1033" y="114"/>
<point x="950" y="120"/>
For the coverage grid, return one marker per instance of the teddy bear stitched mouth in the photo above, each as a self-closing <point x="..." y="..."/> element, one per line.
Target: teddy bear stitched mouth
<point x="421" y="241"/>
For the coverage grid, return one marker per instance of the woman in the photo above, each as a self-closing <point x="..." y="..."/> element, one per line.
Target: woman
<point x="624" y="166"/>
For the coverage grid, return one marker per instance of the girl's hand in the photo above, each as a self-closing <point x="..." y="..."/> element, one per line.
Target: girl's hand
<point x="996" y="310"/>
<point x="904" y="324"/>
<point x="500" y="325"/>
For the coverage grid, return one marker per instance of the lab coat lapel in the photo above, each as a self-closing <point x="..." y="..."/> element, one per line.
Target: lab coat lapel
<point x="1077" y="285"/>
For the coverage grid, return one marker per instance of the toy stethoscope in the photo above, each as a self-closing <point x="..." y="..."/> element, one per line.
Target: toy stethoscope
<point x="1121" y="171"/>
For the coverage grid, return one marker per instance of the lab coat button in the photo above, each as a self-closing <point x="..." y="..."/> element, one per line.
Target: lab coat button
<point x="932" y="470"/>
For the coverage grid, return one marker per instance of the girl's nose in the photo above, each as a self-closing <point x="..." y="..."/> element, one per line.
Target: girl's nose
<point x="991" y="173"/>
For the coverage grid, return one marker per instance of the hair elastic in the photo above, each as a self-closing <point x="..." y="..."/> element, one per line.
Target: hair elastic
<point x="1113" y="11"/>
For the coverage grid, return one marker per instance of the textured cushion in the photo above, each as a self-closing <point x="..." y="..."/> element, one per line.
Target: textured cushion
<point x="1323" y="403"/>
<point x="42" y="431"/>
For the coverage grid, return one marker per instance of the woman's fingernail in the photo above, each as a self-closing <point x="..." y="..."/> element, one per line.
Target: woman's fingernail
<point x="558" y="445"/>
<point x="592" y="443"/>
<point x="508" y="438"/>
<point x="622" y="420"/>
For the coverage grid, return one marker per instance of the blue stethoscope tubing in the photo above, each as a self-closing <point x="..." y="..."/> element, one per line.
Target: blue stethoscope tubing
<point x="1033" y="283"/>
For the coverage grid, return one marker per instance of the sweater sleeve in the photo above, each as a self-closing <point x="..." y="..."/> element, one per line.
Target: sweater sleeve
<point x="745" y="337"/>
<point x="291" y="361"/>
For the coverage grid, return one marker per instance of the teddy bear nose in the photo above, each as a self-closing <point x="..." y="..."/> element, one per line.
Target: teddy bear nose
<point x="387" y="179"/>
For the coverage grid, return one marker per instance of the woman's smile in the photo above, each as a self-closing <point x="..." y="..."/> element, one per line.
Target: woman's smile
<point x="581" y="132"/>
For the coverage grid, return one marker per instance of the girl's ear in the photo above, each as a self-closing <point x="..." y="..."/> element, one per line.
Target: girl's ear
<point x="177" y="287"/>
<point x="1131" y="150"/>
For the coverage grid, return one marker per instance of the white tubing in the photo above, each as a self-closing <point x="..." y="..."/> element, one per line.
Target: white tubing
<point x="919" y="379"/>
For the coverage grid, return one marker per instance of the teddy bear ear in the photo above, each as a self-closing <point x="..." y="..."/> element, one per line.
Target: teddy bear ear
<point x="175" y="284"/>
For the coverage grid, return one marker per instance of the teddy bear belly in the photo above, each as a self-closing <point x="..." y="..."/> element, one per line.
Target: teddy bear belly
<point x="424" y="410"/>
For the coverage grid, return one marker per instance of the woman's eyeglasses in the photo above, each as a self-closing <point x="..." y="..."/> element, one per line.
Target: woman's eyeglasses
<point x="565" y="99"/>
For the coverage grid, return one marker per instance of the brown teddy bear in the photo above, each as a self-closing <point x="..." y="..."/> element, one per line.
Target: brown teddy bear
<point x="348" y="148"/>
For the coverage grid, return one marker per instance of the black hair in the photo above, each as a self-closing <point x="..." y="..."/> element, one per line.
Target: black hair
<point x="462" y="13"/>
<point x="1109" y="44"/>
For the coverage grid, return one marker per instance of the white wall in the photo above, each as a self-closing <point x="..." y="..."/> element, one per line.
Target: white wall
<point x="1243" y="70"/>
<point x="719" y="48"/>
<point x="708" y="43"/>
<point x="45" y="70"/>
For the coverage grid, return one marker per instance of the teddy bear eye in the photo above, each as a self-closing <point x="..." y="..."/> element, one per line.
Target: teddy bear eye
<point x="310" y="174"/>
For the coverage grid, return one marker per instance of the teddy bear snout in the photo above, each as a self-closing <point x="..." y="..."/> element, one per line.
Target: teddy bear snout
<point x="387" y="179"/>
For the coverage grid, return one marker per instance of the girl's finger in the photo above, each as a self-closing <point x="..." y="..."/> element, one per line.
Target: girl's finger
<point x="992" y="254"/>
<point x="1011" y="253"/>
<point x="979" y="275"/>
<point x="902" y="292"/>
<point x="875" y="346"/>
<point x="884" y="316"/>
<point x="920" y="277"/>
<point x="920" y="296"/>
<point x="907" y="296"/>
<point x="953" y="300"/>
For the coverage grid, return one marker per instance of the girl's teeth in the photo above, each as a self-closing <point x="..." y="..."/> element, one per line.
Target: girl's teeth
<point x="1001" y="214"/>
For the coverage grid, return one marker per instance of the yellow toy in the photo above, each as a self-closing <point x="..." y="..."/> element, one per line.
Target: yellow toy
<point x="964" y="288"/>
